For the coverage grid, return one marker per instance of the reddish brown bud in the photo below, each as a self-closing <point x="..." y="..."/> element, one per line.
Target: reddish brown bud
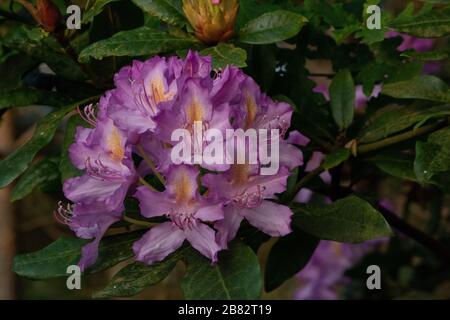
<point x="47" y="15"/>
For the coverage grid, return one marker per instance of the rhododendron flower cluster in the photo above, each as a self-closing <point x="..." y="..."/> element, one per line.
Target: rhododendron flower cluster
<point x="129" y="141"/>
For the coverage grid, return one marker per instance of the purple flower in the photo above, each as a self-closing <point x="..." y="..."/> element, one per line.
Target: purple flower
<point x="134" y="125"/>
<point x="99" y="193"/>
<point x="141" y="90"/>
<point x="324" y="273"/>
<point x="419" y="45"/>
<point x="245" y="192"/>
<point x="187" y="212"/>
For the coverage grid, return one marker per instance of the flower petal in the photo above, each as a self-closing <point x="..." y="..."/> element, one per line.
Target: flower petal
<point x="151" y="203"/>
<point x="228" y="226"/>
<point x="271" y="218"/>
<point x="158" y="243"/>
<point x="203" y="238"/>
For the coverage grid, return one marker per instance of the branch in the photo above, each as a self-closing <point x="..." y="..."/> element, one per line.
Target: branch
<point x="441" y="251"/>
<point x="364" y="148"/>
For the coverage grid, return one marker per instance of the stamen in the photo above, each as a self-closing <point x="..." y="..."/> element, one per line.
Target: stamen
<point x="250" y="200"/>
<point x="88" y="114"/>
<point x="98" y="170"/>
<point x="182" y="219"/>
<point x="63" y="214"/>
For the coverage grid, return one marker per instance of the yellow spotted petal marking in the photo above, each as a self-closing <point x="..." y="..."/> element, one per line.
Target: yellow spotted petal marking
<point x="251" y="109"/>
<point x="194" y="111"/>
<point x="115" y="145"/>
<point x="159" y="93"/>
<point x="183" y="188"/>
<point x="239" y="173"/>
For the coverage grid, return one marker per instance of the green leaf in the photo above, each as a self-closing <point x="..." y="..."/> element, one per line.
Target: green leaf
<point x="170" y="11"/>
<point x="42" y="46"/>
<point x="53" y="260"/>
<point x="342" y="98"/>
<point x="433" y="156"/>
<point x="424" y="87"/>
<point x="347" y="220"/>
<point x="95" y="9"/>
<point x="66" y="168"/>
<point x="272" y="27"/>
<point x="136" y="276"/>
<point x="335" y="158"/>
<point x="235" y="276"/>
<point x="427" y="55"/>
<point x="142" y="41"/>
<point x="396" y="164"/>
<point x="226" y="54"/>
<point x="288" y="256"/>
<point x="251" y="9"/>
<point x="394" y="118"/>
<point x="27" y="96"/>
<point x="433" y="24"/>
<point x="36" y="176"/>
<point x="12" y="68"/>
<point x="17" y="162"/>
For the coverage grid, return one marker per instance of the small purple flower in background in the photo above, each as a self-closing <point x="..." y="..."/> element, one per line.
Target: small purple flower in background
<point x="419" y="45"/>
<point x="324" y="273"/>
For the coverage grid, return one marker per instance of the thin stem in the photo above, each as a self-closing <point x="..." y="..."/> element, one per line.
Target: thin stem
<point x="364" y="148"/>
<point x="148" y="185"/>
<point x="151" y="164"/>
<point x="138" y="222"/>
<point x="303" y="181"/>
<point x="402" y="226"/>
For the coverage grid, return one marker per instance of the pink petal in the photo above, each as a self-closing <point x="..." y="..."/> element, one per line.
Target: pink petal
<point x="158" y="243"/>
<point x="228" y="227"/>
<point x="203" y="238"/>
<point x="271" y="218"/>
<point x="151" y="203"/>
<point x="210" y="212"/>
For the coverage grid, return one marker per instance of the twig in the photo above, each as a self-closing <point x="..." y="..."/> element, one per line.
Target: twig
<point x="441" y="251"/>
<point x="364" y="148"/>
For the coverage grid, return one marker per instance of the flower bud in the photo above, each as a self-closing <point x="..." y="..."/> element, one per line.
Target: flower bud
<point x="47" y="15"/>
<point x="212" y="20"/>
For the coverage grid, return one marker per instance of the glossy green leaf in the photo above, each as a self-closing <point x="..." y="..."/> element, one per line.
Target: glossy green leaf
<point x="347" y="220"/>
<point x="17" y="162"/>
<point x="95" y="9"/>
<point x="235" y="276"/>
<point x="424" y="87"/>
<point x="396" y="164"/>
<point x="433" y="156"/>
<point x="23" y="97"/>
<point x="342" y="98"/>
<point x="142" y="41"/>
<point x="288" y="256"/>
<point x="335" y="158"/>
<point x="272" y="27"/>
<point x="427" y="55"/>
<point x="53" y="260"/>
<point x="43" y="47"/>
<point x="170" y="11"/>
<point x="433" y="24"/>
<point x="394" y="118"/>
<point x="137" y="276"/>
<point x="226" y="54"/>
<point x="36" y="176"/>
